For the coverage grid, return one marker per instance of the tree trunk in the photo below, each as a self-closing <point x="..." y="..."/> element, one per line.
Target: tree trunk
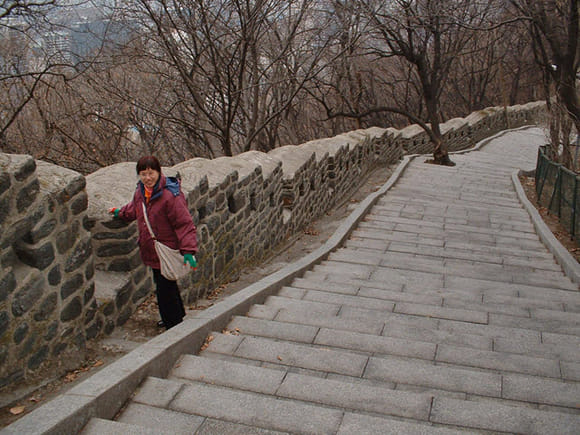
<point x="440" y="148"/>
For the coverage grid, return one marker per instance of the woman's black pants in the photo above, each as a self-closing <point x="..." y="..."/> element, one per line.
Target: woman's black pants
<point x="169" y="300"/>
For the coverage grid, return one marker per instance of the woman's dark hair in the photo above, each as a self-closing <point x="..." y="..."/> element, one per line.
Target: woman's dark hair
<point x="148" y="162"/>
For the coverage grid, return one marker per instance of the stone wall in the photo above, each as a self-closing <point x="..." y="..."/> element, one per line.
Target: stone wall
<point x="70" y="273"/>
<point x="47" y="300"/>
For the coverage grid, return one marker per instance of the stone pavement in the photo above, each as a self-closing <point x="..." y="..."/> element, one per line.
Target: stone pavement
<point x="443" y="312"/>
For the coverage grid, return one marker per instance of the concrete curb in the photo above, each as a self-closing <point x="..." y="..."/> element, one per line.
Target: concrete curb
<point x="563" y="257"/>
<point x="103" y="394"/>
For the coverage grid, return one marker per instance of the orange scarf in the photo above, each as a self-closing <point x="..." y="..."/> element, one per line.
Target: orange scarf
<point x="148" y="193"/>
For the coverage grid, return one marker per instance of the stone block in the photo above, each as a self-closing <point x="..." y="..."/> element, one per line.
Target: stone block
<point x="80" y="255"/>
<point x="20" y="332"/>
<point x="72" y="310"/>
<point x="26" y="196"/>
<point x="54" y="276"/>
<point x="79" y="204"/>
<point x="124" y="315"/>
<point x="7" y="285"/>
<point x="46" y="307"/>
<point x="25" y="167"/>
<point x="4" y="322"/>
<point x="51" y="331"/>
<point x="41" y="231"/>
<point x="38" y="358"/>
<point x="5" y="182"/>
<point x="27" y="296"/>
<point x="123" y="295"/>
<point x="66" y="238"/>
<point x="71" y="286"/>
<point x="39" y="257"/>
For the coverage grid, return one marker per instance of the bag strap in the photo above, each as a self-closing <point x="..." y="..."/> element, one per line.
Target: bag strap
<point x="147" y="222"/>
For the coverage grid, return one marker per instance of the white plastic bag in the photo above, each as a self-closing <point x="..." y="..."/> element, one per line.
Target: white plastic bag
<point x="172" y="266"/>
<point x="171" y="260"/>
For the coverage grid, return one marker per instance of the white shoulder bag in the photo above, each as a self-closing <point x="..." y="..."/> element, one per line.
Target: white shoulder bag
<point x="172" y="266"/>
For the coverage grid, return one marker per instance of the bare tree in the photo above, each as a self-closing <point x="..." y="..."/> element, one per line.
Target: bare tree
<point x="230" y="70"/>
<point x="555" y="32"/>
<point x="430" y="35"/>
<point x="37" y="66"/>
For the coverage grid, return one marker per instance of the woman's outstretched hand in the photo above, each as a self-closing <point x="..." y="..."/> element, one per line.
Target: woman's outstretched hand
<point x="190" y="259"/>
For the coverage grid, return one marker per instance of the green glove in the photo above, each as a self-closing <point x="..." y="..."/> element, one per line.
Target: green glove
<point x="114" y="211"/>
<point x="189" y="258"/>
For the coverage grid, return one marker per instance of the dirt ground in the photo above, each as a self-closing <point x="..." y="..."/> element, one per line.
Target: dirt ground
<point x="551" y="220"/>
<point x="142" y="326"/>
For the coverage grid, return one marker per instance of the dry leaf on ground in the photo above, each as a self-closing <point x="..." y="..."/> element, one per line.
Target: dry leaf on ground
<point x="17" y="410"/>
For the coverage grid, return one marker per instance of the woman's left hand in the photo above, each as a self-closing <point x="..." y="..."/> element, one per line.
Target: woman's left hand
<point x="190" y="259"/>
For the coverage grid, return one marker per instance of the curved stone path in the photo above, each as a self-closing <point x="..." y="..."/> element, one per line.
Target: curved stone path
<point x="442" y="313"/>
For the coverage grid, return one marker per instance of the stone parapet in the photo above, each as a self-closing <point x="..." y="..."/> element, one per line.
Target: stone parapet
<point x="70" y="272"/>
<point x="47" y="292"/>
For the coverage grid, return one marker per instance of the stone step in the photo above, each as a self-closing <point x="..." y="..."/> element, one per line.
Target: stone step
<point x="408" y="374"/>
<point x="99" y="426"/>
<point x="368" y="424"/>
<point x="346" y="352"/>
<point x="160" y="419"/>
<point x="335" y="338"/>
<point x="292" y="324"/>
<point x="510" y="340"/>
<point x="467" y="311"/>
<point x="285" y="307"/>
<point x="264" y="414"/>
<point x="366" y="296"/>
<point x="406" y="270"/>
<point x="238" y="406"/>
<point x="431" y="241"/>
<point x="455" y="214"/>
<point x="499" y="417"/>
<point x="393" y="207"/>
<point x="302" y="356"/>
<point x="393" y="326"/>
<point x="316" y="390"/>
<point x="477" y="223"/>
<point x="516" y="390"/>
<point x="420" y="283"/>
<point x="525" y="259"/>
<point x="444" y="230"/>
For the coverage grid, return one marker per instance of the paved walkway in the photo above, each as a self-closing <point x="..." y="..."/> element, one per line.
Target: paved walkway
<point x="442" y="313"/>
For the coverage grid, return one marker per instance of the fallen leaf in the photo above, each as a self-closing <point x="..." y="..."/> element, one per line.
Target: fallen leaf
<point x="17" y="410"/>
<point x="99" y="363"/>
<point x="279" y="358"/>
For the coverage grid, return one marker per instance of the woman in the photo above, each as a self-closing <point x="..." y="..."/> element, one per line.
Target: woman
<point x="172" y="224"/>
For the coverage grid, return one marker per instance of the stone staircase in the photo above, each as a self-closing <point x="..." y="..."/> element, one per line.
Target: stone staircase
<point x="443" y="313"/>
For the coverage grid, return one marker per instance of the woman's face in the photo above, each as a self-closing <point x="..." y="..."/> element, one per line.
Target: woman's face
<point x="149" y="177"/>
